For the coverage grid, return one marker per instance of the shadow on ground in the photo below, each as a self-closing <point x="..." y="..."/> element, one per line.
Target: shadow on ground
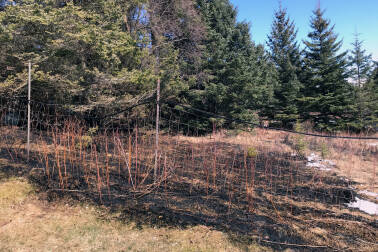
<point x="289" y="206"/>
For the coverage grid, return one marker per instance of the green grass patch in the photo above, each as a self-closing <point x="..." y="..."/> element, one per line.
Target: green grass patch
<point x="14" y="191"/>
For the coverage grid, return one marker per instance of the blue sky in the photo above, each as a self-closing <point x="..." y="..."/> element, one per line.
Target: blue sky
<point x="348" y="16"/>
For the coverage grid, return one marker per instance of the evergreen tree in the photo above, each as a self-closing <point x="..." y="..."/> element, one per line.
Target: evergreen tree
<point x="220" y="18"/>
<point x="374" y="75"/>
<point x="75" y="60"/>
<point x="236" y="76"/>
<point x="328" y="96"/>
<point x="369" y="94"/>
<point x="360" y="68"/>
<point x="97" y="55"/>
<point x="285" y="54"/>
<point x="360" y="62"/>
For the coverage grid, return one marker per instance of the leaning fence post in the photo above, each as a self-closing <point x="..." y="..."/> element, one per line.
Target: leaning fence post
<point x="157" y="128"/>
<point x="29" y="95"/>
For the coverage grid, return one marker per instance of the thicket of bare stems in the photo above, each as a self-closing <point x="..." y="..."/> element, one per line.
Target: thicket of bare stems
<point x="255" y="173"/>
<point x="70" y="153"/>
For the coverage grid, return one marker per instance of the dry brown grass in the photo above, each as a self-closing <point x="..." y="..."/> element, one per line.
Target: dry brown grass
<point x="30" y="224"/>
<point x="214" y="182"/>
<point x="356" y="160"/>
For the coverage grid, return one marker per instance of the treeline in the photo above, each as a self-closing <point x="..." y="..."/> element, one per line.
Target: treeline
<point x="105" y="57"/>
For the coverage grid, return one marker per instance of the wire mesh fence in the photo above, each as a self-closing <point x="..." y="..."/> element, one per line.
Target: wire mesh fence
<point x="273" y="187"/>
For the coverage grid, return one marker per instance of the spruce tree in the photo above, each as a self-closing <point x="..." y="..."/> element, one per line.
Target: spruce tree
<point x="237" y="76"/>
<point x="360" y="62"/>
<point x="98" y="55"/>
<point x="220" y="18"/>
<point x="328" y="96"/>
<point x="360" y="66"/>
<point x="370" y="102"/>
<point x="285" y="54"/>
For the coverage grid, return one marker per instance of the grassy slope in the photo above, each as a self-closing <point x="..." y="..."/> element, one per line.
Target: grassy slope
<point x="30" y="224"/>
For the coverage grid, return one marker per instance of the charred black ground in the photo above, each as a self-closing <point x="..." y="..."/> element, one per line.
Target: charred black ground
<point x="271" y="198"/>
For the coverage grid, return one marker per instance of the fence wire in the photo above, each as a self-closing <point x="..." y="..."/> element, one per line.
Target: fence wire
<point x="276" y="187"/>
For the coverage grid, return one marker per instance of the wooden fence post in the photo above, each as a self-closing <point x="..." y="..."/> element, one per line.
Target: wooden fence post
<point x="157" y="128"/>
<point x="29" y="101"/>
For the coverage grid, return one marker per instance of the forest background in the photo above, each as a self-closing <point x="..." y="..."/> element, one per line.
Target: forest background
<point x="101" y="57"/>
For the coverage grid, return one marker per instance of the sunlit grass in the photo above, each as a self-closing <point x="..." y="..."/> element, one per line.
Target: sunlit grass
<point x="28" y="224"/>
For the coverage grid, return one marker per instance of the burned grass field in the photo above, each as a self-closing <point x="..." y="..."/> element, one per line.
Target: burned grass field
<point x="258" y="189"/>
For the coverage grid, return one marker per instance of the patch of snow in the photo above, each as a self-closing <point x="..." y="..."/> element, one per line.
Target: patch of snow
<point x="312" y="157"/>
<point x="367" y="193"/>
<point x="365" y="206"/>
<point x="316" y="162"/>
<point x="320" y="166"/>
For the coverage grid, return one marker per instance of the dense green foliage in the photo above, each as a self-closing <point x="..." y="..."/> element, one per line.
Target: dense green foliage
<point x="364" y="93"/>
<point x="285" y="54"/>
<point x="327" y="94"/>
<point x="80" y="54"/>
<point x="360" y="63"/>
<point x="369" y="102"/>
<point x="105" y="57"/>
<point x="87" y="54"/>
<point x="236" y="77"/>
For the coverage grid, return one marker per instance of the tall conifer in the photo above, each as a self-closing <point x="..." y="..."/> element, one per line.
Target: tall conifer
<point x="237" y="76"/>
<point x="328" y="96"/>
<point x="285" y="54"/>
<point x="360" y="62"/>
<point x="360" y="67"/>
<point x="370" y="102"/>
